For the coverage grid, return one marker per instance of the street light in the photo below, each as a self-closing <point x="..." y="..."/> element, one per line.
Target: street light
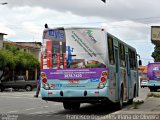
<point x="4" y="3"/>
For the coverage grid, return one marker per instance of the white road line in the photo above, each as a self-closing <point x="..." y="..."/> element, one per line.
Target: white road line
<point x="12" y="112"/>
<point x="39" y="112"/>
<point x="45" y="106"/>
<point x="57" y="104"/>
<point x="17" y="97"/>
<point x="30" y="109"/>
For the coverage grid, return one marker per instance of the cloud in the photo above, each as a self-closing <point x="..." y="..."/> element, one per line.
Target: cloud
<point x="5" y="29"/>
<point x="129" y="20"/>
<point x="113" y="9"/>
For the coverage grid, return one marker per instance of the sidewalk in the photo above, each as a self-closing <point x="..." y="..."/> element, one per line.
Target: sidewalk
<point x="151" y="105"/>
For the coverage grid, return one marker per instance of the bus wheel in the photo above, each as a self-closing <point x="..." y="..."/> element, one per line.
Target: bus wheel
<point x="67" y="105"/>
<point x="130" y="101"/>
<point x="75" y="106"/>
<point x="120" y="103"/>
<point x="153" y="89"/>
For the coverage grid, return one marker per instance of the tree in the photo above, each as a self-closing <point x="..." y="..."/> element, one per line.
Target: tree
<point x="156" y="53"/>
<point x="13" y="59"/>
<point x="26" y="61"/>
<point x="7" y="62"/>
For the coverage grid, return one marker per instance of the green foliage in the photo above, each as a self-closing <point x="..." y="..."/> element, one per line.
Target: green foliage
<point x="156" y="53"/>
<point x="13" y="59"/>
<point x="26" y="60"/>
<point x="157" y="95"/>
<point x="7" y="60"/>
<point x="10" y="47"/>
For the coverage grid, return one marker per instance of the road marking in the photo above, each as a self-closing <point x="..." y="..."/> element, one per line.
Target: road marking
<point x="57" y="104"/>
<point x="17" y="97"/>
<point x="30" y="109"/>
<point x="39" y="112"/>
<point x="45" y="106"/>
<point x="12" y="112"/>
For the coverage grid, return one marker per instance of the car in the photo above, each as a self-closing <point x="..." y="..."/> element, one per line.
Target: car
<point x="19" y="82"/>
<point x="144" y="83"/>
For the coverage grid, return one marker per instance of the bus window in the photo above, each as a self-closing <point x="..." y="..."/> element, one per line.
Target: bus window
<point x="110" y="50"/>
<point x="132" y="59"/>
<point x="122" y="55"/>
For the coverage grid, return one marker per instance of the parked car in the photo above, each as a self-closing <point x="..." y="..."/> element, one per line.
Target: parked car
<point x="144" y="83"/>
<point x="19" y="82"/>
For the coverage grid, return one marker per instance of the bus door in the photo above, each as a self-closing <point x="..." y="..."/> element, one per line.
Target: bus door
<point x="128" y="75"/>
<point x="117" y="73"/>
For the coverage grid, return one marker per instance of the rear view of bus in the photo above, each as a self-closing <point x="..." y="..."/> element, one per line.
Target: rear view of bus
<point x="74" y="67"/>
<point x="154" y="76"/>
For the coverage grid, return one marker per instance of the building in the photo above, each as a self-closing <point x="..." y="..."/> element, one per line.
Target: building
<point x="2" y="39"/>
<point x="142" y="70"/>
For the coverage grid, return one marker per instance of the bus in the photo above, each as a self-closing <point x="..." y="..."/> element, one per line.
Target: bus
<point x="87" y="65"/>
<point x="153" y="75"/>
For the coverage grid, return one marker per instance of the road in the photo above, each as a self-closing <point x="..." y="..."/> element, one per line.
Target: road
<point x="26" y="107"/>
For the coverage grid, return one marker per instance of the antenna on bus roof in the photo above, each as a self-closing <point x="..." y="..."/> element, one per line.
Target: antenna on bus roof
<point x="46" y="25"/>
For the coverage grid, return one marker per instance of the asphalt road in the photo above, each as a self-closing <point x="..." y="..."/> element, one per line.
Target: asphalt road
<point x="25" y="107"/>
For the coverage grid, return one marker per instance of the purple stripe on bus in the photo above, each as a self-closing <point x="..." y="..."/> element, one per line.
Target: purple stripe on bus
<point x="77" y="73"/>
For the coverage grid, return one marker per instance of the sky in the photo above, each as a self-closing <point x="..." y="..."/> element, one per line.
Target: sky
<point x="129" y="20"/>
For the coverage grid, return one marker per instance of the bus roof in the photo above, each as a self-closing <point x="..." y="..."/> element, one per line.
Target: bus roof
<point x="74" y="28"/>
<point x="100" y="28"/>
<point x="153" y="63"/>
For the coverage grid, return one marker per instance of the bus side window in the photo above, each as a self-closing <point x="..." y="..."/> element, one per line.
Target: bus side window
<point x="132" y="59"/>
<point x="111" y="50"/>
<point x="122" y="55"/>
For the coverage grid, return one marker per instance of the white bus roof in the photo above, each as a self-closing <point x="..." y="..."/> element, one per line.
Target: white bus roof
<point x="75" y="28"/>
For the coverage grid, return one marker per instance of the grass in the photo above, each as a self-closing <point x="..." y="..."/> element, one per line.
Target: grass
<point x="157" y="95"/>
<point x="137" y="103"/>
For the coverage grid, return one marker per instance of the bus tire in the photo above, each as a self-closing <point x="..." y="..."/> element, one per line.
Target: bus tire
<point x="75" y="106"/>
<point x="67" y="105"/>
<point x="120" y="103"/>
<point x="152" y="89"/>
<point x="134" y="95"/>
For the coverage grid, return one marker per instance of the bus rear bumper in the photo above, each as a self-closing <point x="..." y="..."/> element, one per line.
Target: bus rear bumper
<point x="78" y="99"/>
<point x="86" y="96"/>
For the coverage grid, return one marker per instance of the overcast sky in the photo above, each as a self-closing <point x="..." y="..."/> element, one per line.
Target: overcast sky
<point x="129" y="20"/>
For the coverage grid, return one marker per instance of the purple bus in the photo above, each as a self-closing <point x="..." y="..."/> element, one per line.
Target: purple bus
<point x="154" y="76"/>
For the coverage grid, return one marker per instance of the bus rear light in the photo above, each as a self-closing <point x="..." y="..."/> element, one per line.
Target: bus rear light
<point x="44" y="80"/>
<point x="49" y="93"/>
<point x="43" y="75"/>
<point x="103" y="79"/>
<point x="96" y="92"/>
<point x="104" y="74"/>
